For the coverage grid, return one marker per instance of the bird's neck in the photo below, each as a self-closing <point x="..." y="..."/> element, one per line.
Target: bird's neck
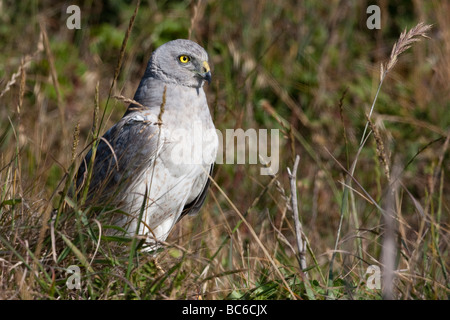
<point x="154" y="93"/>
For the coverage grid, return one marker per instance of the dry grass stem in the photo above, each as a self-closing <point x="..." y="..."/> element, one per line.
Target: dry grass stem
<point x="54" y="76"/>
<point x="162" y="107"/>
<point x="380" y="149"/>
<point x="124" y="46"/>
<point x="404" y="42"/>
<point x="128" y="100"/>
<point x="25" y="63"/>
<point x="76" y="140"/>
<point x="301" y="244"/>
<point x="197" y="13"/>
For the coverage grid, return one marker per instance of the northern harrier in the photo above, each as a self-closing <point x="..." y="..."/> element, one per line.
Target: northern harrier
<point x="156" y="160"/>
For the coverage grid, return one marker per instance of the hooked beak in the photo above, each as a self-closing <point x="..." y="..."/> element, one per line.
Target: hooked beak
<point x="206" y="72"/>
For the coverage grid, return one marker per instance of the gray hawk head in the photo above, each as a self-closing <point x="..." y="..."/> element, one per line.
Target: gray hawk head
<point x="182" y="62"/>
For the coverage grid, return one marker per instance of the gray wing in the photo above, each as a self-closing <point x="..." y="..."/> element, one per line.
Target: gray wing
<point x="123" y="153"/>
<point x="194" y="206"/>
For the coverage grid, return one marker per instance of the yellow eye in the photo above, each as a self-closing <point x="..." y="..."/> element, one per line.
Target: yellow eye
<point x="184" y="59"/>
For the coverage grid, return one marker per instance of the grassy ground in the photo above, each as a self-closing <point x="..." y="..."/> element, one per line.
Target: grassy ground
<point x="311" y="70"/>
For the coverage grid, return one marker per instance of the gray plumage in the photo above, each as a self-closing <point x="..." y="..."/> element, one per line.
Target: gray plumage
<point x="168" y="160"/>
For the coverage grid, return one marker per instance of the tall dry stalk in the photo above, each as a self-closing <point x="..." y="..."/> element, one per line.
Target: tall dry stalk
<point x="198" y="11"/>
<point x="54" y="76"/>
<point x="404" y="42"/>
<point x="25" y="63"/>
<point x="301" y="244"/>
<point x="123" y="47"/>
<point x="120" y="59"/>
